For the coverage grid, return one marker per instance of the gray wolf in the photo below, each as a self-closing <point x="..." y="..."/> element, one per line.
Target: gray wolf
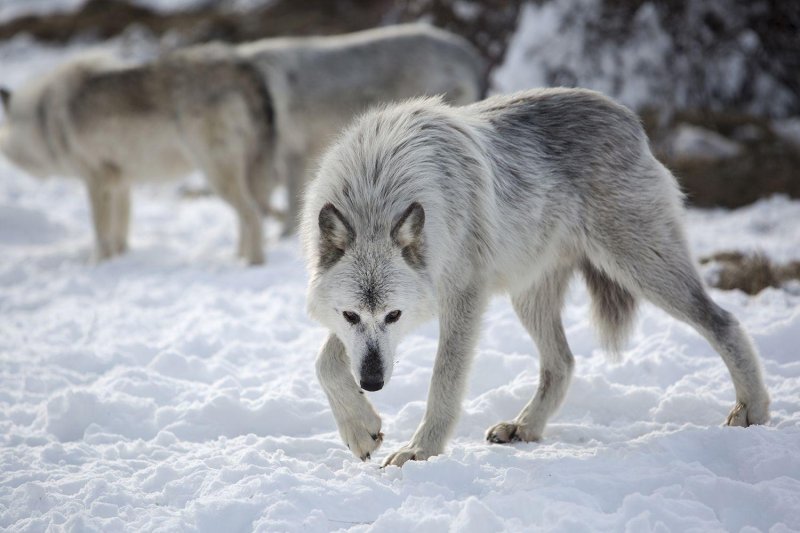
<point x="112" y="124"/>
<point x="318" y="84"/>
<point x="424" y="209"/>
<point x="249" y="117"/>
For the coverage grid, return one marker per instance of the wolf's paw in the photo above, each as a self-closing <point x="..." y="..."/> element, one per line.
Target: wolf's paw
<point x="120" y="248"/>
<point x="254" y="257"/>
<point x="747" y="415"/>
<point x="506" y="432"/>
<point x="363" y="435"/>
<point x="409" y="452"/>
<point x="100" y="255"/>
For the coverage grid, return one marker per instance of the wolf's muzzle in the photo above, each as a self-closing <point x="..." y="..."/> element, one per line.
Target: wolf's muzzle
<point x="372" y="370"/>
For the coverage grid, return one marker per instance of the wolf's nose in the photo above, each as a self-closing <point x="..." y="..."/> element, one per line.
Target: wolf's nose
<point x="371" y="384"/>
<point x="371" y="371"/>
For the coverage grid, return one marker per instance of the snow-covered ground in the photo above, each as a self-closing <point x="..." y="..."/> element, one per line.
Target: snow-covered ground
<point x="174" y="389"/>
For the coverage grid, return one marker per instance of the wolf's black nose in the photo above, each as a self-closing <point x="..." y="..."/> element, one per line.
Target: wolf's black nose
<point x="371" y="385"/>
<point x="372" y="369"/>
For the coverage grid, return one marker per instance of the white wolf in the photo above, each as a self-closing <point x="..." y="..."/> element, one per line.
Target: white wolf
<point x="248" y="117"/>
<point x="421" y="209"/>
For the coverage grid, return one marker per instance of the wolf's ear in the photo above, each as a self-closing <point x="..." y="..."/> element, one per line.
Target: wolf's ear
<point x="336" y="234"/>
<point x="407" y="234"/>
<point x="5" y="96"/>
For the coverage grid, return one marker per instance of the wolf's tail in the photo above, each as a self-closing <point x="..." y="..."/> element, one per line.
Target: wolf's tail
<point x="613" y="309"/>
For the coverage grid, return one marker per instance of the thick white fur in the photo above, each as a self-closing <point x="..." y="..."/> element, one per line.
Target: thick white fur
<point x="518" y="193"/>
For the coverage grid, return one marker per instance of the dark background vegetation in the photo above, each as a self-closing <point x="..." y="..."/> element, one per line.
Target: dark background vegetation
<point x="766" y="163"/>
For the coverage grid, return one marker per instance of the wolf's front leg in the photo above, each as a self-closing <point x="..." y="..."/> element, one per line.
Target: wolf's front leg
<point x="358" y="423"/>
<point x="101" y="196"/>
<point x="459" y="324"/>
<point x="121" y="215"/>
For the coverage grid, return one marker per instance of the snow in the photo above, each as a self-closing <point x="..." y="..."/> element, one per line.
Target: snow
<point x="788" y="130"/>
<point x="553" y="46"/>
<point x="11" y="9"/>
<point x="694" y="142"/>
<point x="641" y="63"/>
<point x="174" y="389"/>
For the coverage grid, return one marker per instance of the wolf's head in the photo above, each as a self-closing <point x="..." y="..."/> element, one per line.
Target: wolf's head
<point x="371" y="288"/>
<point x="21" y="138"/>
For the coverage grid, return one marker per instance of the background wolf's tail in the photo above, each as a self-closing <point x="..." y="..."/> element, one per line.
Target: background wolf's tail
<point x="613" y="309"/>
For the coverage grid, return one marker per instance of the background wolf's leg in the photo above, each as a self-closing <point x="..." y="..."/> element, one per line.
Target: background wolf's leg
<point x="539" y="309"/>
<point x="459" y="324"/>
<point x="217" y="141"/>
<point x="294" y="171"/>
<point x="261" y="180"/>
<point x="101" y="204"/>
<point x="358" y="423"/>
<point x="121" y="214"/>
<point x="229" y="182"/>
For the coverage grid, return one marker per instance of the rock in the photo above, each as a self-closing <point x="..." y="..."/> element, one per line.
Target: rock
<point x="694" y="142"/>
<point x="788" y="130"/>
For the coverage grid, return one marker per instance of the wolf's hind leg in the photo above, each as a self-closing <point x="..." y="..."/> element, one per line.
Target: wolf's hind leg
<point x="216" y="143"/>
<point x="358" y="423"/>
<point x="293" y="170"/>
<point x="677" y="289"/>
<point x="121" y="214"/>
<point x="229" y="182"/>
<point x="539" y="309"/>
<point x="261" y="181"/>
<point x="659" y="267"/>
<point x="101" y="195"/>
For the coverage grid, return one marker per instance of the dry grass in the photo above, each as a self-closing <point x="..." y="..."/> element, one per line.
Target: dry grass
<point x="750" y="273"/>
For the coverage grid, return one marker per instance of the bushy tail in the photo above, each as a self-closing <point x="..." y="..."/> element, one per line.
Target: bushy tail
<point x="613" y="309"/>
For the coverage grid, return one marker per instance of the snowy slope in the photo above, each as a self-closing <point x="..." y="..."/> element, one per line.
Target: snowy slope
<point x="11" y="9"/>
<point x="173" y="389"/>
<point x="648" y="61"/>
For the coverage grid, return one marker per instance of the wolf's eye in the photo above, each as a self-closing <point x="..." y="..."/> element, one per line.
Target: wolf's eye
<point x="351" y="317"/>
<point x="393" y="317"/>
